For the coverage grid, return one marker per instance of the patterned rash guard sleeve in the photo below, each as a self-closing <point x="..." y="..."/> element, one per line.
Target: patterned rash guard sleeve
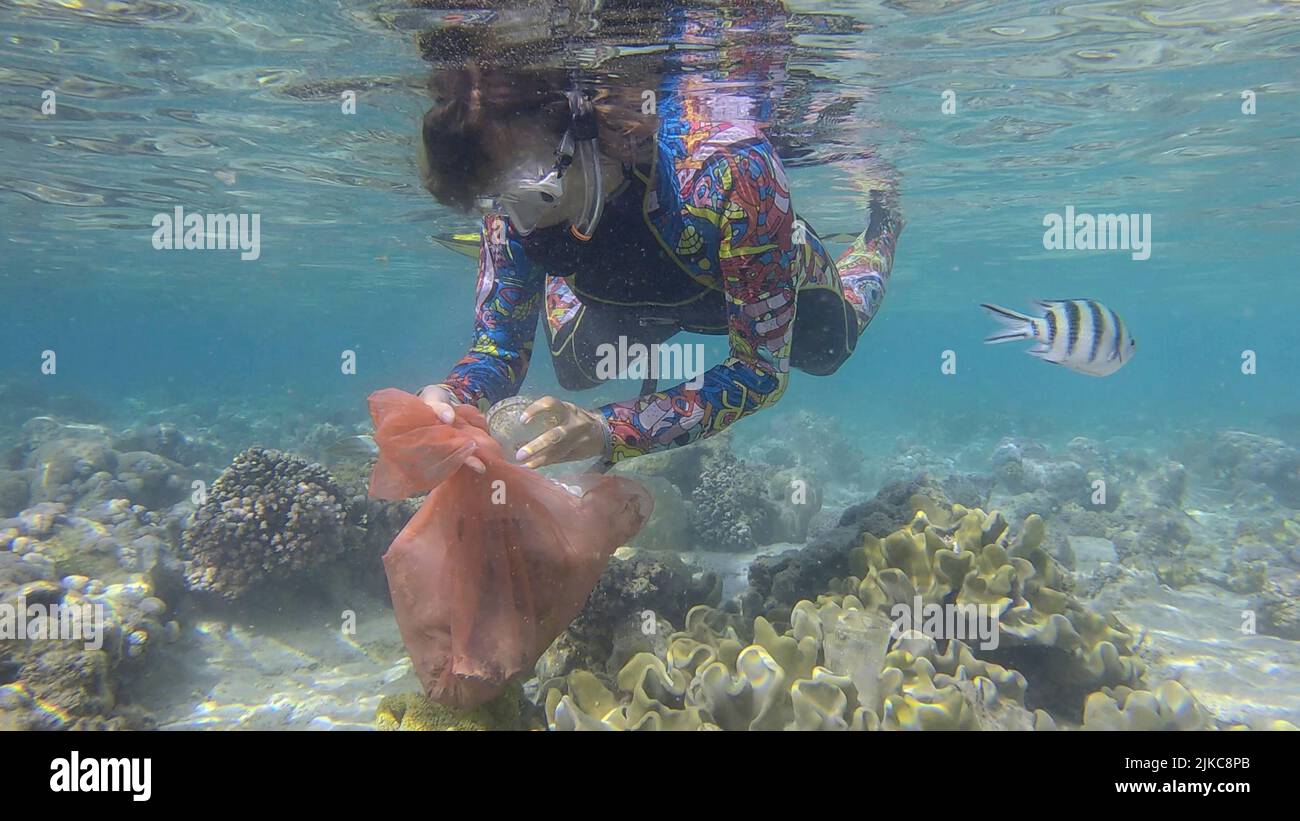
<point x="505" y="318"/>
<point x="740" y="199"/>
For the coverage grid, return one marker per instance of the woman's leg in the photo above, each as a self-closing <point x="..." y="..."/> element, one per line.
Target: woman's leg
<point x="865" y="267"/>
<point x="837" y="302"/>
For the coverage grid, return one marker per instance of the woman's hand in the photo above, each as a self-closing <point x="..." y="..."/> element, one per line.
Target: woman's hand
<point x="444" y="404"/>
<point x="578" y="434"/>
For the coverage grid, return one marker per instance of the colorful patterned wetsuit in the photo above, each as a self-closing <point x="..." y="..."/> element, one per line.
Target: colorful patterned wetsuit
<point x="717" y="238"/>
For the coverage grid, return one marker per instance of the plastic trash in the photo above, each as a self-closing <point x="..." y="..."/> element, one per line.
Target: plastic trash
<point x="504" y="424"/>
<point x="493" y="566"/>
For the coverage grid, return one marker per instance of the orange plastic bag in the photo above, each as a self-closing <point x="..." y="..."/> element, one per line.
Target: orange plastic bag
<point x="493" y="566"/>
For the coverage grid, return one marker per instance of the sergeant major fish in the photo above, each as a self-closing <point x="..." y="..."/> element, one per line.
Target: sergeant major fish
<point x="1081" y="334"/>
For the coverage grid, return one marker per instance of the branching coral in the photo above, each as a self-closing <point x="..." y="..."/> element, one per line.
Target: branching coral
<point x="268" y="516"/>
<point x="729" y="508"/>
<point x="715" y="500"/>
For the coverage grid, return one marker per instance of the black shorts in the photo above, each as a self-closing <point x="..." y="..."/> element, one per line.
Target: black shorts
<point x="825" y="332"/>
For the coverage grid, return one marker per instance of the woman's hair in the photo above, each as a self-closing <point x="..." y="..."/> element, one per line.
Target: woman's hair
<point x="473" y="105"/>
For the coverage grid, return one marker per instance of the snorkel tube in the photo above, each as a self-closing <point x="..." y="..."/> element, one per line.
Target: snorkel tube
<point x="583" y="132"/>
<point x="526" y="198"/>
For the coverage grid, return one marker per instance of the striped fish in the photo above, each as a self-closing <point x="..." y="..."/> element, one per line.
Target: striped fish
<point x="1081" y="334"/>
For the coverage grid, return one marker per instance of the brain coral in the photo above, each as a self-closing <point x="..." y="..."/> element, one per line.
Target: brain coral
<point x="268" y="517"/>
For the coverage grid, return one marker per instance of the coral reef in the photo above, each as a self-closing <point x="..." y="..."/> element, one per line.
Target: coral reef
<point x="418" y="712"/>
<point x="1279" y="607"/>
<point x="729" y="504"/>
<point x="1126" y="496"/>
<point x="1026" y="467"/>
<point x="148" y="480"/>
<point x="729" y="508"/>
<point x="832" y="670"/>
<point x="777" y="582"/>
<point x="1167" y="707"/>
<point x="269" y="517"/>
<point x="1137" y="513"/>
<point x="839" y="666"/>
<point x="911" y="460"/>
<point x="667" y="528"/>
<point x="112" y="543"/>
<point x="630" y="610"/>
<point x="1245" y="462"/>
<point x="965" y="557"/>
<point x="795" y="499"/>
<point x="1250" y="684"/>
<point x="1184" y="542"/>
<point x="167" y="441"/>
<point x="96" y="520"/>
<point x="56" y="686"/>
<point x="77" y="464"/>
<point x="814" y="446"/>
<point x="106" y="568"/>
<point x="15" y="493"/>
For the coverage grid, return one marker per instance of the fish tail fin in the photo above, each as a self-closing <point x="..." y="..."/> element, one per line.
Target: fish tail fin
<point x="1014" y="325"/>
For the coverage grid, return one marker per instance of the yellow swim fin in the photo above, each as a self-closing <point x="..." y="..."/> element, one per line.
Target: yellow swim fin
<point x="464" y="243"/>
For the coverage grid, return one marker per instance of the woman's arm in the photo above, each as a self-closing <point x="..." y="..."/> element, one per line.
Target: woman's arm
<point x="742" y="193"/>
<point x="505" y="318"/>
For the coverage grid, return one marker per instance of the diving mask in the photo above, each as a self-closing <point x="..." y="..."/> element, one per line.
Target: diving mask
<point x="530" y="192"/>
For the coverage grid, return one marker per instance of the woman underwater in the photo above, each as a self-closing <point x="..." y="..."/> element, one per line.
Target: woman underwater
<point x="636" y="226"/>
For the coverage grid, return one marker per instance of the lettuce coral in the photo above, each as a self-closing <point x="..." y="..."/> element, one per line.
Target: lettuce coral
<point x="967" y="556"/>
<point x="842" y="664"/>
<point x="711" y="680"/>
<point x="1167" y="707"/>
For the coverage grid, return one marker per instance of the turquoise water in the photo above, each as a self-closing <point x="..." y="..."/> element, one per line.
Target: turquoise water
<point x="1109" y="107"/>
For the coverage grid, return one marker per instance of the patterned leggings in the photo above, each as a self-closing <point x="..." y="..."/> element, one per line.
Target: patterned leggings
<point x="865" y="267"/>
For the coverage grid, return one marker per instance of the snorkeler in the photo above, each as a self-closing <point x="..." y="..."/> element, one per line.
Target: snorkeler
<point x="633" y="228"/>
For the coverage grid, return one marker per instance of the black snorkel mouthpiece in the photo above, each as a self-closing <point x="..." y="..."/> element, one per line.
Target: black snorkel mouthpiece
<point x="581" y="141"/>
<point x="582" y="116"/>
